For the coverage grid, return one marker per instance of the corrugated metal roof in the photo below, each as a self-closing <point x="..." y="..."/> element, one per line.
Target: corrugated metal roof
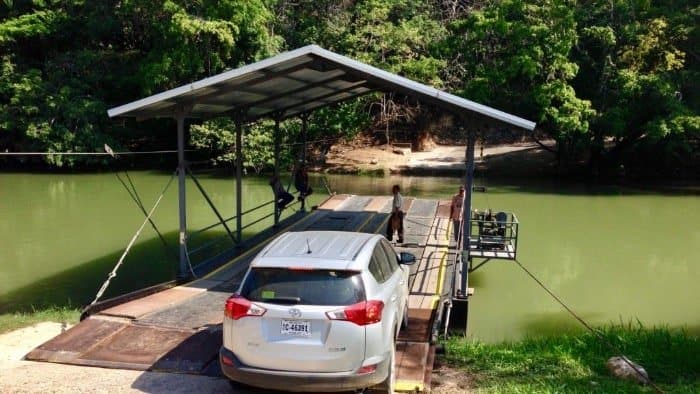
<point x="292" y="83"/>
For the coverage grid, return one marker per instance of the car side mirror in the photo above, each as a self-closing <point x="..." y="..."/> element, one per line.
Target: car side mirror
<point x="406" y="258"/>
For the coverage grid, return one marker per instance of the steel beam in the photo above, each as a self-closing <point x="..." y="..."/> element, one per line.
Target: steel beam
<point x="467" y="214"/>
<point x="312" y="100"/>
<point x="239" y="178"/>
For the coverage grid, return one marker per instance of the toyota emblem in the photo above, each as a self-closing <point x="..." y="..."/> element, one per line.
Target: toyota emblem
<point x="295" y="313"/>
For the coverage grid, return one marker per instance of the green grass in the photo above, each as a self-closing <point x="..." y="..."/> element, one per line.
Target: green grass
<point x="15" y="320"/>
<point x="575" y="363"/>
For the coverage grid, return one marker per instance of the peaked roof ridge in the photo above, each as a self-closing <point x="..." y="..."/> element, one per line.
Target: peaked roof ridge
<point x="295" y="88"/>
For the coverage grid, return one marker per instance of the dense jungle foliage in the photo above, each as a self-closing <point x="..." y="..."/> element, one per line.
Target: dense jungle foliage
<point x="614" y="82"/>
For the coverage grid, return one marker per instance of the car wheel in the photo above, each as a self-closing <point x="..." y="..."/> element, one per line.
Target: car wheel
<point x="388" y="385"/>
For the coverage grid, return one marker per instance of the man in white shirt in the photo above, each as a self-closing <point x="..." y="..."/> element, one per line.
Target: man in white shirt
<point x="396" y="220"/>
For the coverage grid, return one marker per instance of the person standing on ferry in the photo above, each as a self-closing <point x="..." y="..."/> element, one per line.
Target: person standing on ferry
<point x="396" y="219"/>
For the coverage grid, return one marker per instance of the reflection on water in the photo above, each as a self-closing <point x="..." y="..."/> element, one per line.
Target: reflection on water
<point x="612" y="254"/>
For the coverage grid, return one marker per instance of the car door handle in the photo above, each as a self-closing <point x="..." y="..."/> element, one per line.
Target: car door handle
<point x="402" y="282"/>
<point x="393" y="298"/>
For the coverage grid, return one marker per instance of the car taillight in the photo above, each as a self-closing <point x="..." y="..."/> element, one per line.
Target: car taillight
<point x="362" y="313"/>
<point x="238" y="307"/>
<point x="366" y="369"/>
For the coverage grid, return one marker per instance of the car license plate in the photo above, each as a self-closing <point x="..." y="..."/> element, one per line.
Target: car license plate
<point x="296" y="327"/>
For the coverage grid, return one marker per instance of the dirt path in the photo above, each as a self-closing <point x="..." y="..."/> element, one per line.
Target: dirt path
<point x="442" y="159"/>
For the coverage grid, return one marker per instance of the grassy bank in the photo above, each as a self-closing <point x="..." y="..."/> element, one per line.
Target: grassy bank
<point x="576" y="362"/>
<point x="13" y="321"/>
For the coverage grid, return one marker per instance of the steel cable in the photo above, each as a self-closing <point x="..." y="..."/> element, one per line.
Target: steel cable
<point x="113" y="273"/>
<point x="591" y="329"/>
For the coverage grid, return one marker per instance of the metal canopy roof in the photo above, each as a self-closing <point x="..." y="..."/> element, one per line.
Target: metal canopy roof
<point x="293" y="83"/>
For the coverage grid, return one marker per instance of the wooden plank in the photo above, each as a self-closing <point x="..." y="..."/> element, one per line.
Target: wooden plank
<point x="377" y="204"/>
<point x="411" y="360"/>
<point x="420" y="321"/>
<point x="441" y="231"/>
<point x="443" y="209"/>
<point x="415" y="301"/>
<point x="334" y="202"/>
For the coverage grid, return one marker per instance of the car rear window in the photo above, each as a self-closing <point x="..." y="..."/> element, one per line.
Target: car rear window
<point x="307" y="287"/>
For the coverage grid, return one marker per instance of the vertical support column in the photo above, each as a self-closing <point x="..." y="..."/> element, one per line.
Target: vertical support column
<point x="467" y="209"/>
<point x="180" y="118"/>
<point x="459" y="313"/>
<point x="469" y="179"/>
<point x="277" y="166"/>
<point x="304" y="125"/>
<point x="239" y="178"/>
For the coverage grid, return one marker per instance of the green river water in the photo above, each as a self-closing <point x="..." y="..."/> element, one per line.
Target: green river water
<point x="613" y="254"/>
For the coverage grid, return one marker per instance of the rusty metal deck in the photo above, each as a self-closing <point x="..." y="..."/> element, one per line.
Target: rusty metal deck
<point x="179" y="329"/>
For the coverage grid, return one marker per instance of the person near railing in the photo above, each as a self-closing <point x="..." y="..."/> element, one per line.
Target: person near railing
<point x="456" y="211"/>
<point x="282" y="197"/>
<point x="396" y="219"/>
<point x="301" y="182"/>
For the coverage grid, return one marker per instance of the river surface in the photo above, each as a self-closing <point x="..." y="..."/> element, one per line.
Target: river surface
<point x="614" y="255"/>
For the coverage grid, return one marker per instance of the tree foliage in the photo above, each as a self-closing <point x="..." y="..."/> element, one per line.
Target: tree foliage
<point x="615" y="82"/>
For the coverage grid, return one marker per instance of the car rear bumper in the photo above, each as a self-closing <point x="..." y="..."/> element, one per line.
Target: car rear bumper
<point x="298" y="381"/>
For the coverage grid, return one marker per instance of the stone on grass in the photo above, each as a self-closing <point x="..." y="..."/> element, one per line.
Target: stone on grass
<point x="620" y="367"/>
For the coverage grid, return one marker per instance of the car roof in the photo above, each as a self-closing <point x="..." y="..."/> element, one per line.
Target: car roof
<point x="318" y="249"/>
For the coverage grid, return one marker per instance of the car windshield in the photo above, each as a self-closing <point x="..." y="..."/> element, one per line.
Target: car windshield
<point x="307" y="287"/>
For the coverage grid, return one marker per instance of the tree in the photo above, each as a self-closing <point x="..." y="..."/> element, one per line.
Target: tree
<point x="514" y="55"/>
<point x="69" y="60"/>
<point x="636" y="75"/>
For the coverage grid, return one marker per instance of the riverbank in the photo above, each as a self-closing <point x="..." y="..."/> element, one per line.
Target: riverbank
<point x="573" y="362"/>
<point x="518" y="159"/>
<point x="16" y="320"/>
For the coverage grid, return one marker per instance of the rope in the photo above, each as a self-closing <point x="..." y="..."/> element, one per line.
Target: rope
<point x="189" y="263"/>
<point x="113" y="274"/>
<point x="137" y="199"/>
<point x="154" y="152"/>
<point x="591" y="329"/>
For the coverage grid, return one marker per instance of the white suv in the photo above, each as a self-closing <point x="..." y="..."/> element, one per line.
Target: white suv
<point x="318" y="311"/>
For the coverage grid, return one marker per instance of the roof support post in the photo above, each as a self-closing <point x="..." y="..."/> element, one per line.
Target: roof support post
<point x="276" y="170"/>
<point x="304" y="126"/>
<point x="467" y="211"/>
<point x="183" y="272"/>
<point x="239" y="177"/>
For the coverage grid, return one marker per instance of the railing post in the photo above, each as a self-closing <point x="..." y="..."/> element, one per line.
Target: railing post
<point x="277" y="166"/>
<point x="182" y="206"/>
<point x="304" y="125"/>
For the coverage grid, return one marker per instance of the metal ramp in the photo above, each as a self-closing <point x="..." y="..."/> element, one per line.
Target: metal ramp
<point x="178" y="329"/>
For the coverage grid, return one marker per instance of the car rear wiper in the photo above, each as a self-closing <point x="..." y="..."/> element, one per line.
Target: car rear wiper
<point x="283" y="300"/>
